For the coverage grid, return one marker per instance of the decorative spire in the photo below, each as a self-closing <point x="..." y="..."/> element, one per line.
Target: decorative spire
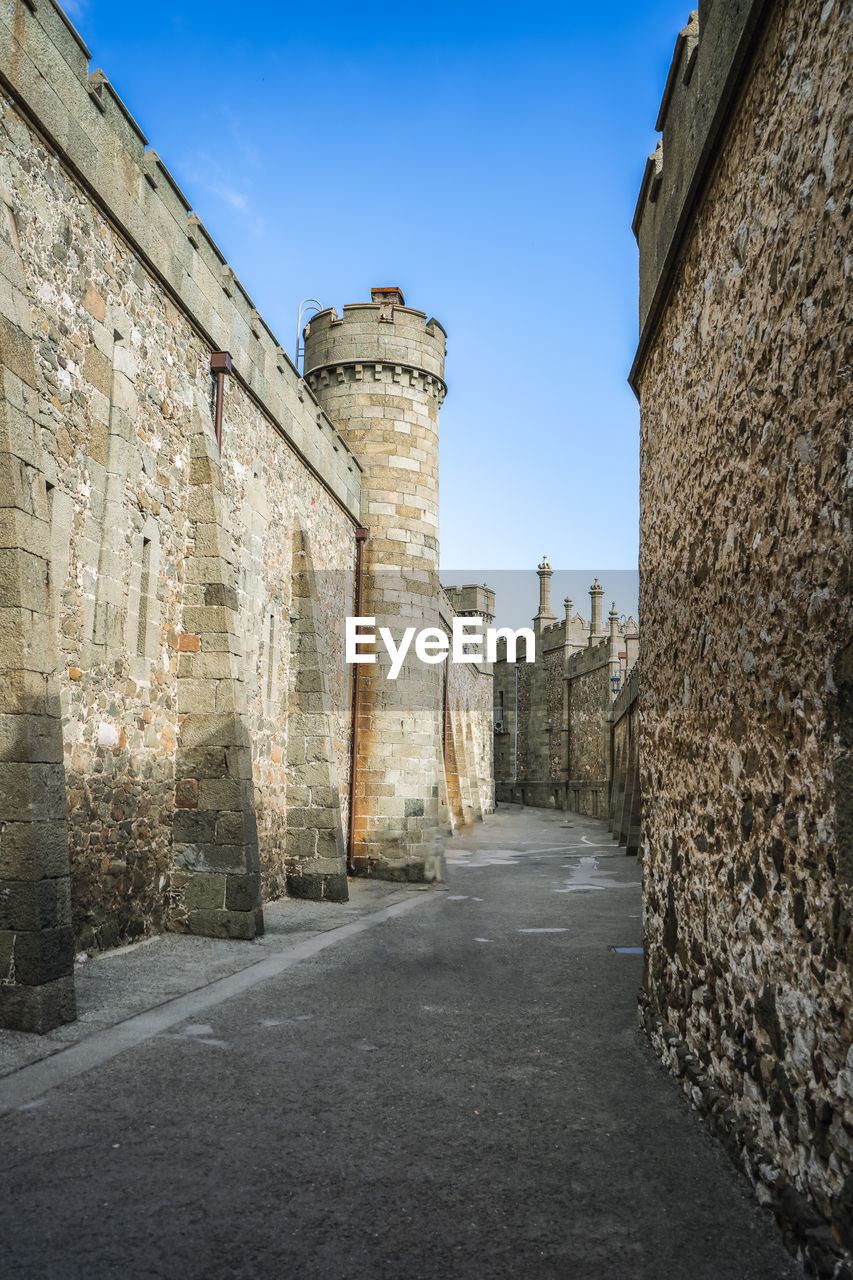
<point x="545" y="571"/>
<point x="596" y="591"/>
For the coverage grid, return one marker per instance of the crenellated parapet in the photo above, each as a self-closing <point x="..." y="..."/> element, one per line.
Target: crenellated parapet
<point x="44" y="68"/>
<point x="384" y="331"/>
<point x="471" y="600"/>
<point x="357" y="371"/>
<point x="709" y="68"/>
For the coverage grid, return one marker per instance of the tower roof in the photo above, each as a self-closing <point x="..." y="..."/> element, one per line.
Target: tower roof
<point x="393" y="293"/>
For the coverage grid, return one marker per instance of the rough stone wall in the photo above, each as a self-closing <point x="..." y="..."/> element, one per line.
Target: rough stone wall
<point x="36" y="944"/>
<point x="121" y="342"/>
<point x="624" y="799"/>
<point x="746" y="549"/>
<point x="589" y="771"/>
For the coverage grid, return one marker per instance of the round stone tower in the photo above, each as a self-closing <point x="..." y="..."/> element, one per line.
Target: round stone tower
<point x="377" y="371"/>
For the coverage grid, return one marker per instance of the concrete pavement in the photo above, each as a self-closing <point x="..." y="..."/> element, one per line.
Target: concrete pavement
<point x="424" y="1083"/>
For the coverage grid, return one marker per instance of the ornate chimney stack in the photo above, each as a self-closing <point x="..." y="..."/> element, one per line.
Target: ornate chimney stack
<point x="544" y="617"/>
<point x="596" y="629"/>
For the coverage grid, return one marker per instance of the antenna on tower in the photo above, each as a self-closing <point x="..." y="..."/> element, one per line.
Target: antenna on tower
<point x="306" y="305"/>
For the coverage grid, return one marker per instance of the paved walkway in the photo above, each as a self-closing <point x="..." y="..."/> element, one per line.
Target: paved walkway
<point x="424" y="1083"/>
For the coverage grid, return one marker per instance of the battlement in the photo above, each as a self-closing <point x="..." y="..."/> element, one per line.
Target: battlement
<point x="375" y="371"/>
<point x="383" y="331"/>
<point x="712" y="57"/>
<point x="44" y="68"/>
<point x="474" y="600"/>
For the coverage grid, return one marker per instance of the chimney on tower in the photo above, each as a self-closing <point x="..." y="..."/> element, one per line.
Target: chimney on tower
<point x="596" y="630"/>
<point x="544" y="617"/>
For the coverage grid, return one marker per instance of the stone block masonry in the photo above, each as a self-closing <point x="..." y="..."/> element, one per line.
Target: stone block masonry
<point x="377" y="371"/>
<point x="177" y="556"/>
<point x="216" y="883"/>
<point x="467" y="789"/>
<point x="743" y="375"/>
<point x="36" y="943"/>
<point x="314" y="840"/>
<point x="148" y="578"/>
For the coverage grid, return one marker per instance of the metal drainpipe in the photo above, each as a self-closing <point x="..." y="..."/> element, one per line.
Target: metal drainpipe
<point x="361" y="536"/>
<point x="444" y="713"/>
<point x="220" y="364"/>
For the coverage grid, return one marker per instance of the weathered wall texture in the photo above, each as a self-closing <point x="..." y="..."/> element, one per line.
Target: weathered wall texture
<point x="123" y="374"/>
<point x="624" y="804"/>
<point x="183" y="603"/>
<point x="591" y="699"/>
<point x="159" y="575"/>
<point x="747" y="678"/>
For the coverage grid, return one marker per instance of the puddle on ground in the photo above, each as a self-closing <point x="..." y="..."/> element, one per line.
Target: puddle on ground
<point x="586" y="874"/>
<point x="484" y="857"/>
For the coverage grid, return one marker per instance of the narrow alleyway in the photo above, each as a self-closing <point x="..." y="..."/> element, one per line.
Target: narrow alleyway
<point x="427" y="1083"/>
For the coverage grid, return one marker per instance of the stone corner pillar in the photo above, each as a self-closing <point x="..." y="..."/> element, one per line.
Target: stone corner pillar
<point x="36" y="940"/>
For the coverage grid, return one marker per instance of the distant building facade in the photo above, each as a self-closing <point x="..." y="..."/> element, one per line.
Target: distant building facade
<point x="554" y="731"/>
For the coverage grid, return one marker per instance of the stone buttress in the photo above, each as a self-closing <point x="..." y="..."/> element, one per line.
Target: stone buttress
<point x="216" y="888"/>
<point x="315" y="854"/>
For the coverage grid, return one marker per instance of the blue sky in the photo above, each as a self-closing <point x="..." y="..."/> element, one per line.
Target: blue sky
<point x="486" y="158"/>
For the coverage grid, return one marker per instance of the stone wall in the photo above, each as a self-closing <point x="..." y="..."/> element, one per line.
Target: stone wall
<point x="167" y="578"/>
<point x="624" y="799"/>
<point x="589" y="720"/>
<point x="746" y="551"/>
<point x="177" y="553"/>
<point x="126" y="387"/>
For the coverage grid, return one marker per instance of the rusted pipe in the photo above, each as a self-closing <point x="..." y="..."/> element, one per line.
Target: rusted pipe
<point x="361" y="536"/>
<point x="220" y="364"/>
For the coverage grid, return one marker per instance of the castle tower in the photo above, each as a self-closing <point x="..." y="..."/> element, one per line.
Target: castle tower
<point x="377" y="371"/>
